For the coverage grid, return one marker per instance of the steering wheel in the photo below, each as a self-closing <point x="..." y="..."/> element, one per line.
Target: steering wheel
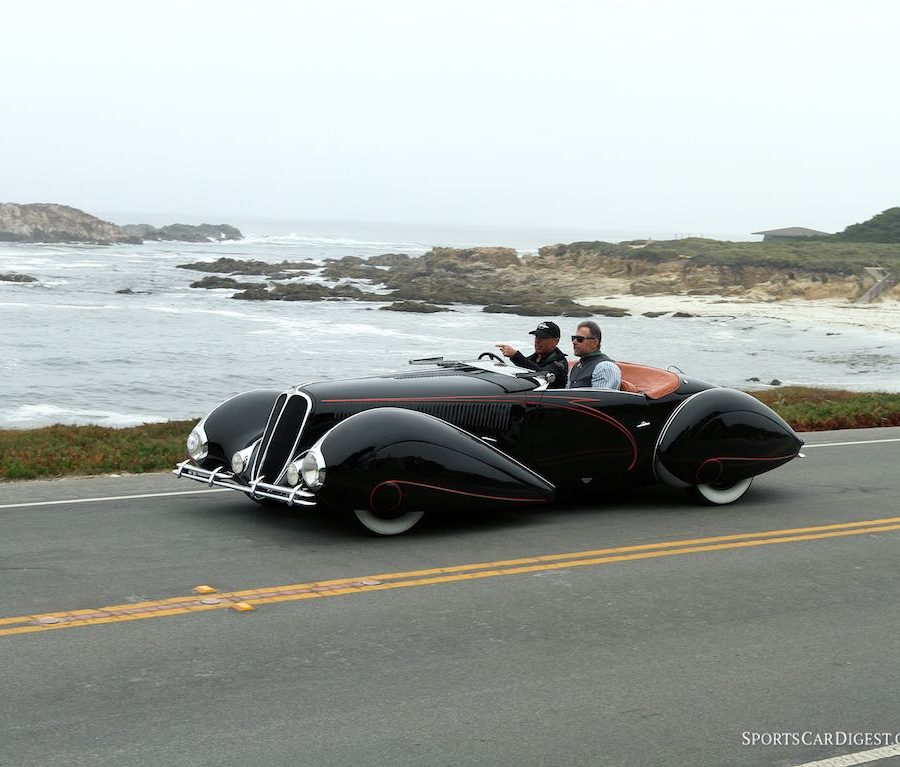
<point x="492" y="356"/>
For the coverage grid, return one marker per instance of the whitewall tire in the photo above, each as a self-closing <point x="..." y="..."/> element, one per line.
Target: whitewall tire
<point x="386" y="524"/>
<point x="720" y="495"/>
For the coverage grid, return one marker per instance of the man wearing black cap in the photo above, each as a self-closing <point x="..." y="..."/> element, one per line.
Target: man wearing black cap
<point x="547" y="357"/>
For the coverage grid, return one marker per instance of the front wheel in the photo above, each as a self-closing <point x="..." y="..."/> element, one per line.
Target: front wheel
<point x="386" y="524"/>
<point x="718" y="494"/>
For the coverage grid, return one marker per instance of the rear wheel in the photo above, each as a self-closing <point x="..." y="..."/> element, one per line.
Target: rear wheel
<point x="386" y="523"/>
<point x="720" y="494"/>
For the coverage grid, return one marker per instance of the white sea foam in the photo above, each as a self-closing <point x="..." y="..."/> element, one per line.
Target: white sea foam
<point x="340" y="242"/>
<point x="80" y="265"/>
<point x="31" y="416"/>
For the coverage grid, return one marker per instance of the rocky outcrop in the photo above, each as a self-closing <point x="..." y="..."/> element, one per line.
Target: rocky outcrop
<point x="562" y="307"/>
<point x="421" y="307"/>
<point x="185" y="232"/>
<point x="43" y="222"/>
<point x="214" y="281"/>
<point x="547" y="284"/>
<point x="16" y="277"/>
<point x="352" y="267"/>
<point x="693" y="266"/>
<point x="460" y="275"/>
<point x="305" y="291"/>
<point x="236" y="266"/>
<point x="389" y="259"/>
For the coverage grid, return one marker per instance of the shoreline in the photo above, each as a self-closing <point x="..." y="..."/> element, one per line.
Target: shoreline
<point x="882" y="316"/>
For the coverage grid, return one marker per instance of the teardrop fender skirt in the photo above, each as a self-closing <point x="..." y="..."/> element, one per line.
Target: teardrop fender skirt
<point x="395" y="460"/>
<point x="721" y="436"/>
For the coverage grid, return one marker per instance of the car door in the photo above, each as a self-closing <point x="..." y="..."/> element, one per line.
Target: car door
<point x="587" y="433"/>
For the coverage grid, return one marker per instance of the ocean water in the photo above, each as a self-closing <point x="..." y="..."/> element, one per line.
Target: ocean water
<point x="74" y="351"/>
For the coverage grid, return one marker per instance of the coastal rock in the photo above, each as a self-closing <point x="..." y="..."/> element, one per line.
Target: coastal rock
<point x="306" y="292"/>
<point x="16" y="277"/>
<point x="352" y="267"/>
<point x="185" y="232"/>
<point x="130" y="292"/>
<point x="459" y="275"/>
<point x="759" y="271"/>
<point x="454" y="259"/>
<point x="609" y="311"/>
<point x="498" y="277"/>
<point x="44" y="222"/>
<point x="445" y="290"/>
<point x="661" y="284"/>
<point x="389" y="259"/>
<point x="225" y="282"/>
<point x="414" y="306"/>
<point x="236" y="266"/>
<point x="438" y="272"/>
<point x="559" y="308"/>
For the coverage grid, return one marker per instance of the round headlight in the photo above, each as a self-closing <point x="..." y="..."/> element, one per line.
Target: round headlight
<point x="312" y="467"/>
<point x="238" y="463"/>
<point x="293" y="473"/>
<point x="197" y="446"/>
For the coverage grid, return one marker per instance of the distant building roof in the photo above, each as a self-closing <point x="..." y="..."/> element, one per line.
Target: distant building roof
<point x="793" y="231"/>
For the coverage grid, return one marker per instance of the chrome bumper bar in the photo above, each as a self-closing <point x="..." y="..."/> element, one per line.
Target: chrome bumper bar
<point x="222" y="478"/>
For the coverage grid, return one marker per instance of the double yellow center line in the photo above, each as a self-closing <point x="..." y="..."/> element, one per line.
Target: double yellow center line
<point x="206" y="598"/>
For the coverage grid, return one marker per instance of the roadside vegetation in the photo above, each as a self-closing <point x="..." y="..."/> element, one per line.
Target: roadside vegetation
<point x="57" y="451"/>
<point x="810" y="409"/>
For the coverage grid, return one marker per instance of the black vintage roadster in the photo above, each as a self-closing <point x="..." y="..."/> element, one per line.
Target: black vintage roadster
<point x="386" y="449"/>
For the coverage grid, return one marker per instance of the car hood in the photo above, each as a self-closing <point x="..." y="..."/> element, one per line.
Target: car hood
<point x="453" y="382"/>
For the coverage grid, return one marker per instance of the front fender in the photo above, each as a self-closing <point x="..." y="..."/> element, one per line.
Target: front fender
<point x="720" y="436"/>
<point x="236" y="424"/>
<point x="393" y="460"/>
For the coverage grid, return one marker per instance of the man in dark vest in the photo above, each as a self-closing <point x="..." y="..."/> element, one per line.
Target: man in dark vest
<point x="594" y="369"/>
<point x="547" y="357"/>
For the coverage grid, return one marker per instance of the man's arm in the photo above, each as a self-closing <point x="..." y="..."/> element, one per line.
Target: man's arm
<point x="606" y="376"/>
<point x="560" y="369"/>
<point x="521" y="361"/>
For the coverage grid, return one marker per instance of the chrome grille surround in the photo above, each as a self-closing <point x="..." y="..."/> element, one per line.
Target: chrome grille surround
<point x="281" y="436"/>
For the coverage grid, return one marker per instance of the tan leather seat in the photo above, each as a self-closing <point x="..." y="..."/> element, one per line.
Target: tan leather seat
<point x="653" y="382"/>
<point x="643" y="379"/>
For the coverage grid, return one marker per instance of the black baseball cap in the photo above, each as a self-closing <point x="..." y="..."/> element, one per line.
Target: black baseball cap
<point x="545" y="330"/>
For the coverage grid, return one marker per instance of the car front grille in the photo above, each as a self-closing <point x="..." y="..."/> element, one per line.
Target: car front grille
<point x="281" y="436"/>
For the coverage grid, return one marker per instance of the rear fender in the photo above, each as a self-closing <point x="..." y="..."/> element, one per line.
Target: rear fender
<point x="721" y="436"/>
<point x="394" y="460"/>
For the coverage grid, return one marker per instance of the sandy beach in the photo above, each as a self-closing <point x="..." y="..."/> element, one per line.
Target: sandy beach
<point x="882" y="316"/>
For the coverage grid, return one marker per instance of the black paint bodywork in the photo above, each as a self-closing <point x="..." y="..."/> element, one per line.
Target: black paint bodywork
<point x="465" y="435"/>
<point x="413" y="460"/>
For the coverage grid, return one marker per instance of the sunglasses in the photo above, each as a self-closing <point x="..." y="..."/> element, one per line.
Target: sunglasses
<point x="579" y="339"/>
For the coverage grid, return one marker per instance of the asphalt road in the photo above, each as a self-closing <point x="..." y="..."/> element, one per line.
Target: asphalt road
<point x="526" y="641"/>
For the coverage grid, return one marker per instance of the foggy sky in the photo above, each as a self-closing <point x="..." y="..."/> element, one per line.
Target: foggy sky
<point x="682" y="116"/>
